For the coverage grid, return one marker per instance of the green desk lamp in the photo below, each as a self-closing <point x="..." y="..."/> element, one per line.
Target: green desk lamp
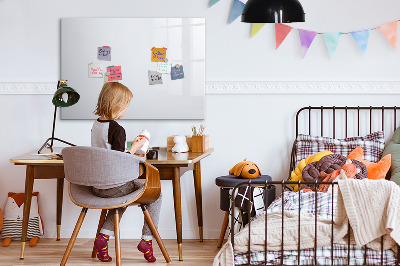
<point x="64" y="96"/>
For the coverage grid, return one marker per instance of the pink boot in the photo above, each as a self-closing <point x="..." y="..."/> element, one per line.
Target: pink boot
<point x="146" y="247"/>
<point x="101" y="245"/>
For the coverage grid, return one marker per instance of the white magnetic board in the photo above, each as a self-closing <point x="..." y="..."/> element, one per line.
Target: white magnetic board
<point x="131" y="41"/>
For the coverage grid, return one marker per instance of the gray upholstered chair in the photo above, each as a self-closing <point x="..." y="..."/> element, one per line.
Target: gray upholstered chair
<point x="85" y="167"/>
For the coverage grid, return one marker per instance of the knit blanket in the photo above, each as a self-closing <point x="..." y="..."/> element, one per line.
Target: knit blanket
<point x="274" y="235"/>
<point x="371" y="207"/>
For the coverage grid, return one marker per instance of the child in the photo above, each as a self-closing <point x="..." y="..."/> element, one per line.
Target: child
<point x="112" y="104"/>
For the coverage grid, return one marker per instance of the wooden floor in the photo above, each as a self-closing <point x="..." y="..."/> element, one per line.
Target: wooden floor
<point x="50" y="252"/>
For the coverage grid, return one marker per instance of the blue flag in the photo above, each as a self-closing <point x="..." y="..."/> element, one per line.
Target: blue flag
<point x="237" y="9"/>
<point x="213" y="2"/>
<point x="332" y="41"/>
<point x="361" y="37"/>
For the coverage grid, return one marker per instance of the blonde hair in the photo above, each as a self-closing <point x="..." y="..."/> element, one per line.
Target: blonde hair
<point x="114" y="97"/>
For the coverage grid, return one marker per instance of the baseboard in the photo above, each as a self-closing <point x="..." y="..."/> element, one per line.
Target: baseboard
<point x="247" y="87"/>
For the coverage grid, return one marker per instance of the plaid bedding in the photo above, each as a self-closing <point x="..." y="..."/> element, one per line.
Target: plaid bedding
<point x="340" y="253"/>
<point x="372" y="145"/>
<point x="323" y="207"/>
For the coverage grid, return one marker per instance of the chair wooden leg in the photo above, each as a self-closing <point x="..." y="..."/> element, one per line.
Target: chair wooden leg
<point x="223" y="229"/>
<point x="154" y="230"/>
<point x="101" y="222"/>
<point x="73" y="237"/>
<point x="117" y="238"/>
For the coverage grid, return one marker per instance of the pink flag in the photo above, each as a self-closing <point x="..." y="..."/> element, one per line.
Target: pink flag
<point x="389" y="30"/>
<point x="306" y="39"/>
<point x="281" y="31"/>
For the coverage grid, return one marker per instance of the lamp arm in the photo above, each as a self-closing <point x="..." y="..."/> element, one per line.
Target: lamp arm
<point x="54" y="118"/>
<point x="54" y="126"/>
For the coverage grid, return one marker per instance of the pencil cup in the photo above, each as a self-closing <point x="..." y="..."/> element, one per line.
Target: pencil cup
<point x="200" y="143"/>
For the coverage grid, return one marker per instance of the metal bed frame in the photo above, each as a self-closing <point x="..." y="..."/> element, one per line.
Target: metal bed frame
<point x="284" y="183"/>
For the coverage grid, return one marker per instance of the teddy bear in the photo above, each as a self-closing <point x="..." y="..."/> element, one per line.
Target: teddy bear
<point x="180" y="144"/>
<point x="13" y="215"/>
<point x="245" y="169"/>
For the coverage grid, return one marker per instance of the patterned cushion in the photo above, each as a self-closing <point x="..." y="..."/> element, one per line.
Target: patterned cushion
<point x="372" y="144"/>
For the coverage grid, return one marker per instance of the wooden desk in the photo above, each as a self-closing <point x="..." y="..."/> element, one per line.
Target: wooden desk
<point x="171" y="167"/>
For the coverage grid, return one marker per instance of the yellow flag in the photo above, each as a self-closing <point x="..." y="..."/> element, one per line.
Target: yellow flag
<point x="255" y="28"/>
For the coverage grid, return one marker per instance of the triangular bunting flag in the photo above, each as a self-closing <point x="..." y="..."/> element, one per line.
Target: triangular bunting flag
<point x="306" y="39"/>
<point x="332" y="41"/>
<point x="213" y="2"/>
<point x="256" y="27"/>
<point x="237" y="9"/>
<point x="389" y="30"/>
<point x="281" y="31"/>
<point x="361" y="37"/>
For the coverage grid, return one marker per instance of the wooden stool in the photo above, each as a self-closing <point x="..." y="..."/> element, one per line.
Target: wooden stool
<point x="226" y="183"/>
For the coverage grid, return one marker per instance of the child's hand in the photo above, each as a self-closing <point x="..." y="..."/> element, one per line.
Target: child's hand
<point x="137" y="144"/>
<point x="143" y="155"/>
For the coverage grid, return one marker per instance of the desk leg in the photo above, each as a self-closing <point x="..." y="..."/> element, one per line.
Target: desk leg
<point x="176" y="182"/>
<point x="27" y="206"/>
<point x="60" y="190"/>
<point x="199" y="204"/>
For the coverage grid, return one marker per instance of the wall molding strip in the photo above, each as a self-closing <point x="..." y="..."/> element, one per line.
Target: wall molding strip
<point x="28" y="88"/>
<point x="303" y="87"/>
<point x="247" y="87"/>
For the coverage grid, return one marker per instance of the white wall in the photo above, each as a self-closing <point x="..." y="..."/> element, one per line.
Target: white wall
<point x="259" y="127"/>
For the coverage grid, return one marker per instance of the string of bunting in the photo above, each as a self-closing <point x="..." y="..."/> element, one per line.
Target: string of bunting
<point x="361" y="37"/>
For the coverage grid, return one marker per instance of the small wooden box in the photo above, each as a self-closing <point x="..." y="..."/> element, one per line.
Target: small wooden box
<point x="200" y="143"/>
<point x="171" y="143"/>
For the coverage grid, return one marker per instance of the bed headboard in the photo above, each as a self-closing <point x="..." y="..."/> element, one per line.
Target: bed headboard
<point x="375" y="114"/>
<point x="344" y="121"/>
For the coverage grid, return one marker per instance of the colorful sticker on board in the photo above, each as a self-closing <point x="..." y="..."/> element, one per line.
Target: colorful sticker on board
<point x="163" y="67"/>
<point x="115" y="73"/>
<point x="158" y="54"/>
<point x="95" y="70"/>
<point x="106" y="74"/>
<point x="155" y="78"/>
<point x="104" y="53"/>
<point x="177" y="72"/>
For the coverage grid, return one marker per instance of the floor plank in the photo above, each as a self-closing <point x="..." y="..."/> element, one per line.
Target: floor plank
<point x="50" y="252"/>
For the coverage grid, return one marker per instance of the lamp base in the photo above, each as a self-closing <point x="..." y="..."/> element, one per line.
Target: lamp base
<point x="50" y="146"/>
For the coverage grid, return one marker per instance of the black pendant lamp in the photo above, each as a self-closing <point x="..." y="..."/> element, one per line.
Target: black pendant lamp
<point x="273" y="11"/>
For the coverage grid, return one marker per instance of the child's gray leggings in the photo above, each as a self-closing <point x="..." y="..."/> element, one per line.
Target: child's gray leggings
<point x="154" y="208"/>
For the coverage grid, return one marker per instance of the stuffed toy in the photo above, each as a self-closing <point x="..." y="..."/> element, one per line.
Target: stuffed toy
<point x="296" y="174"/>
<point x="13" y="215"/>
<point x="245" y="169"/>
<point x="180" y="144"/>
<point x="375" y="170"/>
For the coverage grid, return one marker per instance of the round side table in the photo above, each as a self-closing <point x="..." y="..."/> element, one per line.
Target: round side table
<point x="226" y="183"/>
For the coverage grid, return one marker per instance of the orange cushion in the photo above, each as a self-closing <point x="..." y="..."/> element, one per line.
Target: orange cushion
<point x="375" y="170"/>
